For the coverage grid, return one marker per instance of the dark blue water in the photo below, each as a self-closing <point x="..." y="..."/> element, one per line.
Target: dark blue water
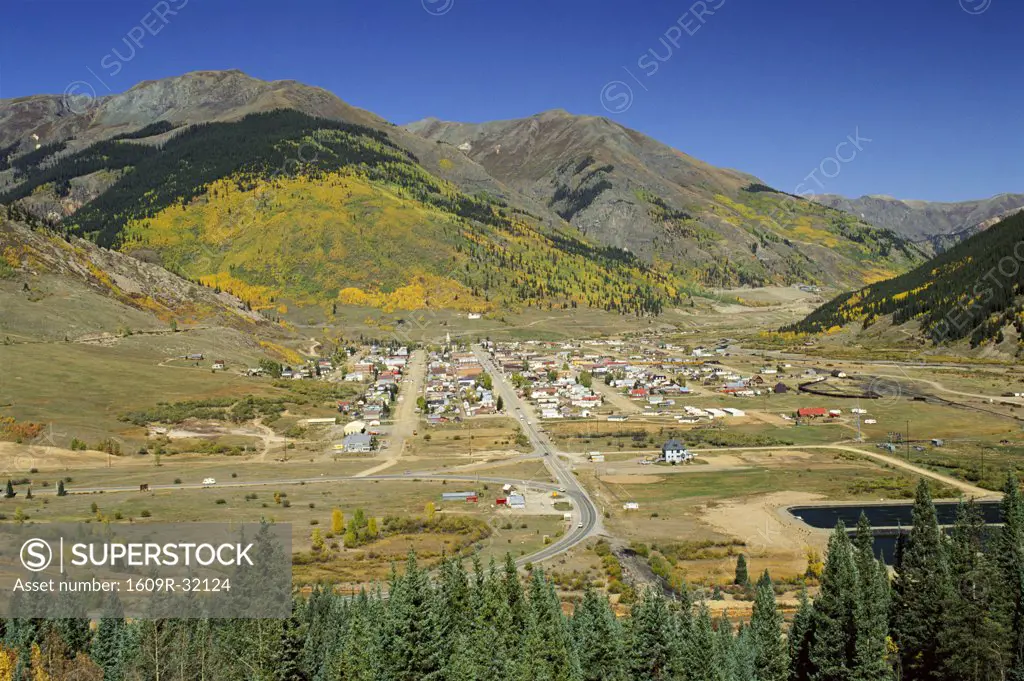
<point x="885" y="543"/>
<point x="885" y="515"/>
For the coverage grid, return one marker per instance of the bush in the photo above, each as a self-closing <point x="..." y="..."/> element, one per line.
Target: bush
<point x="177" y="481"/>
<point x="145" y="513"/>
<point x="221" y="502"/>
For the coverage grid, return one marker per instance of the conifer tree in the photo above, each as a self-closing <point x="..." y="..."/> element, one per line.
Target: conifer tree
<point x="871" y="615"/>
<point x="833" y="648"/>
<point x="741" y="578"/>
<point x="408" y="655"/>
<point x="801" y="633"/>
<point x="650" y="651"/>
<point x="974" y="639"/>
<point x="771" y="658"/>
<point x="111" y="643"/>
<point x="919" y="593"/>
<point x="1008" y="547"/>
<point x="548" y="652"/>
<point x="599" y="640"/>
<point x="703" y="654"/>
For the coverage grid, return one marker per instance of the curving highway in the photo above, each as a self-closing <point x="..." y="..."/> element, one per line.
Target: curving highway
<point x="585" y="515"/>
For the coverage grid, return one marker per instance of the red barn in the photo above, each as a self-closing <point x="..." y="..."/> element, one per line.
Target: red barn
<point x="811" y="412"/>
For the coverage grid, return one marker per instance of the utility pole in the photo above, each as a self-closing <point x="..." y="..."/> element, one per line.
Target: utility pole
<point x="908" y="440"/>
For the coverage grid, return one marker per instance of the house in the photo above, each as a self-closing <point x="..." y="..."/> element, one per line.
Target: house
<point x="516" y="501"/>
<point x="811" y="412"/>
<point x="780" y="389"/>
<point x="675" y="451"/>
<point x="219" y="364"/>
<point x="357" y="443"/>
<point x="936" y="442"/>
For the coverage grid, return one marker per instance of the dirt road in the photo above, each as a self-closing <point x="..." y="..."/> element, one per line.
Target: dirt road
<point x="965" y="487"/>
<point x="405" y="416"/>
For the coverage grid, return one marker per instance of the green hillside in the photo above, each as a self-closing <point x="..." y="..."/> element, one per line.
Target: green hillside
<point x="971" y="291"/>
<point x="282" y="206"/>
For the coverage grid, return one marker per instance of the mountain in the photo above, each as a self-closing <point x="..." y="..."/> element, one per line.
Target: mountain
<point x="932" y="225"/>
<point x="281" y="206"/>
<point x="153" y="111"/>
<point x="624" y="189"/>
<point x="55" y="285"/>
<point x="971" y="291"/>
<point x="281" y="193"/>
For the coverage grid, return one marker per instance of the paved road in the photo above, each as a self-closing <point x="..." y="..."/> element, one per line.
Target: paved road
<point x="585" y="515"/>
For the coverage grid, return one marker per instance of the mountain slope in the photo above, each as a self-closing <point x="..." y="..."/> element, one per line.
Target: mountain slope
<point x="933" y="225"/>
<point x="65" y="286"/>
<point x="624" y="189"/>
<point x="284" y="205"/>
<point x="971" y="291"/>
<point x="164" y="108"/>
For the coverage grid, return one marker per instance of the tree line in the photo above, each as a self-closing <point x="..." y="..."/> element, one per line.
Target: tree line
<point x="952" y="610"/>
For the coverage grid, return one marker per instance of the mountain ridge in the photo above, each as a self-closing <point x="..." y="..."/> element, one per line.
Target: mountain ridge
<point x="555" y="184"/>
<point x="935" y="225"/>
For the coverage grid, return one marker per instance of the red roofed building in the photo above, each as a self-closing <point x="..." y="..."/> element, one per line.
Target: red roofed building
<point x="805" y="412"/>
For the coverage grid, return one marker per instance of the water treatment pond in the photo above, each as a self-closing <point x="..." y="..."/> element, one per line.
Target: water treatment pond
<point x="884" y="515"/>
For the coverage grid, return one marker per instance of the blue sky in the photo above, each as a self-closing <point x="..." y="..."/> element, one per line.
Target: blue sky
<point x="770" y="88"/>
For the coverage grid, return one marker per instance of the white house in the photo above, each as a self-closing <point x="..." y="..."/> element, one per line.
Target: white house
<point x="675" y="451"/>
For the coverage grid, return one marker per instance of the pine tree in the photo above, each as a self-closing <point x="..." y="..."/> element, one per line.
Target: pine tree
<point x="833" y="648"/>
<point x="741" y="578"/>
<point x="599" y="640"/>
<point x="411" y="644"/>
<point x="919" y="593"/>
<point x="801" y="633"/>
<point x="703" y="654"/>
<point x="548" y="650"/>
<point x="974" y="640"/>
<point x="871" y="615"/>
<point x="109" y="645"/>
<point x="1008" y="548"/>
<point x="359" y="658"/>
<point x="651" y="655"/>
<point x="771" y="658"/>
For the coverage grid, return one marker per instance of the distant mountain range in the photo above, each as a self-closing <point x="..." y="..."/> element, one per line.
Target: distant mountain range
<point x="277" y="191"/>
<point x="972" y="291"/>
<point x="932" y="225"/>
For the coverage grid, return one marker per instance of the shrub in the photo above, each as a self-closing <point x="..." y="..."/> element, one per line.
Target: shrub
<point x="145" y="513"/>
